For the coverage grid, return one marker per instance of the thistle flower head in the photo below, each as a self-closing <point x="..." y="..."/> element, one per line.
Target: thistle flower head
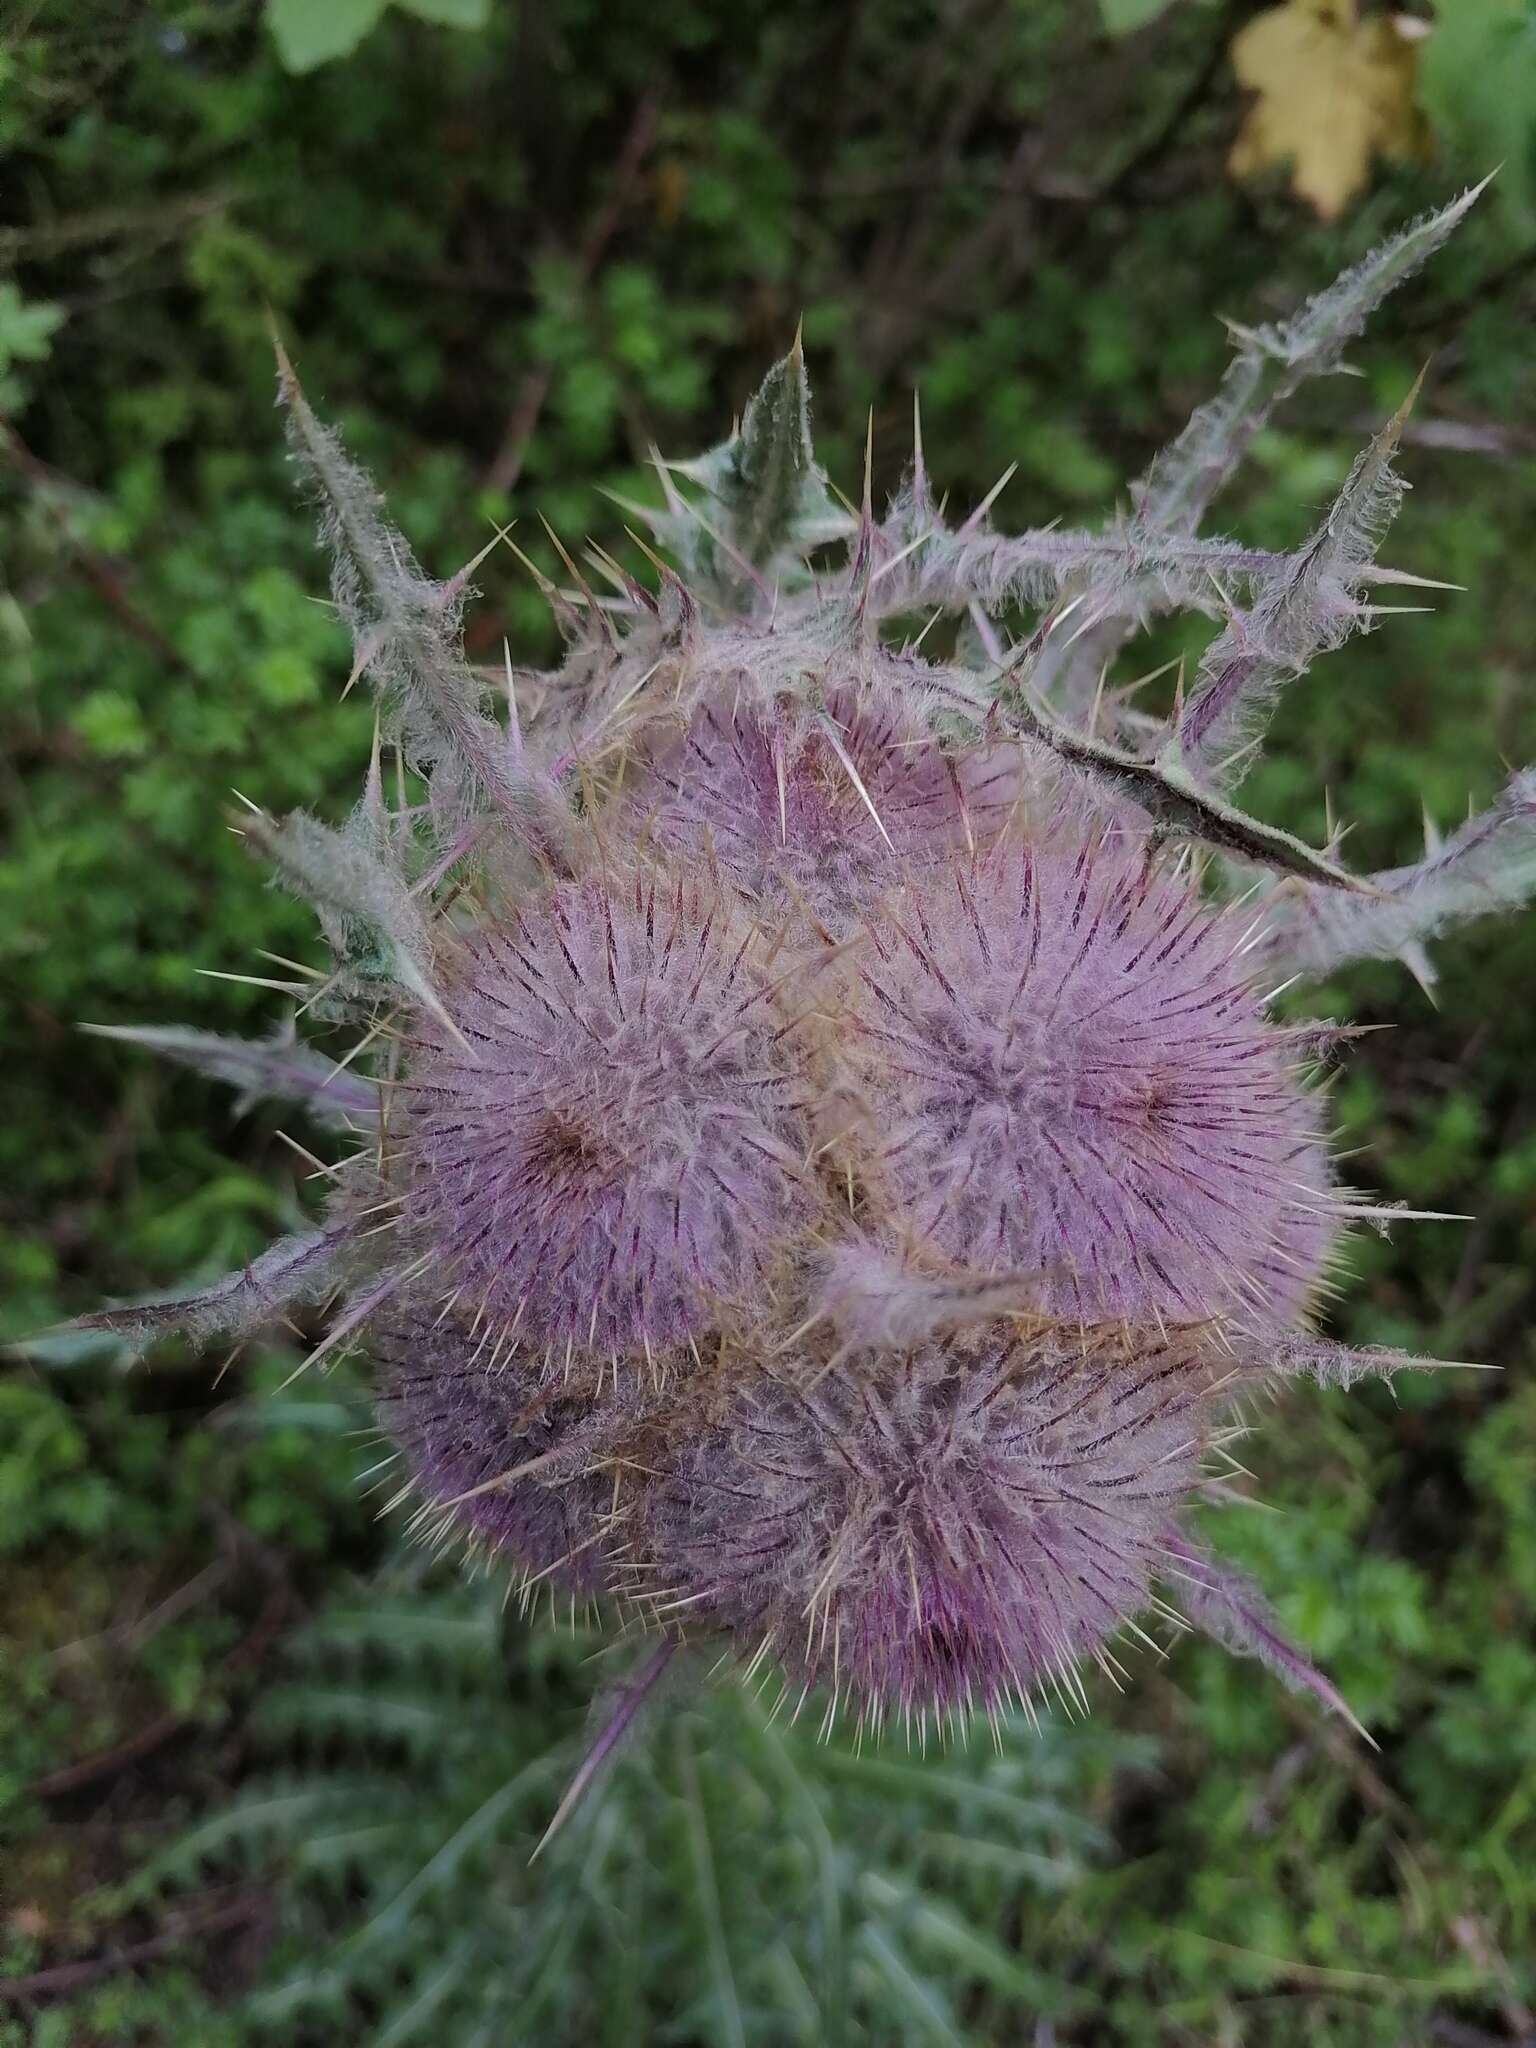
<point x="822" y="802"/>
<point x="604" y="1135"/>
<point x="833" y="1155"/>
<point x="1062" y="1064"/>
<point x="942" y="1526"/>
<point x="496" y="1455"/>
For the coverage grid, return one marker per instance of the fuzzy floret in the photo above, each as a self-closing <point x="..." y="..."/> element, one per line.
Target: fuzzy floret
<point x="494" y="1456"/>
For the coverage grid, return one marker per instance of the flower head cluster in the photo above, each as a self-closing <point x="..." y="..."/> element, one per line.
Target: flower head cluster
<point x="838" y="1167"/>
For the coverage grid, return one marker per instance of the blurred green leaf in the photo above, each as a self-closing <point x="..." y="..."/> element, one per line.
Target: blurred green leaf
<point x="450" y="13"/>
<point x="1477" y="82"/>
<point x="27" y="328"/>
<point x="1122" y="17"/>
<point x="309" y="33"/>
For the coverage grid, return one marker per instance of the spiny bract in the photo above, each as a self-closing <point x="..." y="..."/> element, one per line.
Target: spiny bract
<point x="826" y="1172"/>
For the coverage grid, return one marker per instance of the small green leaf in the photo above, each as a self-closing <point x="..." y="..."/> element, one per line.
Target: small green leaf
<point x="111" y="723"/>
<point x="27" y="327"/>
<point x="775" y="467"/>
<point x="1124" y="17"/>
<point x="309" y="33"/>
<point x="450" y="13"/>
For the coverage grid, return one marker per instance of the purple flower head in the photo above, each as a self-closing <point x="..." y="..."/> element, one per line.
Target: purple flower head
<point x="821" y="803"/>
<point x="820" y="1141"/>
<point x="496" y="1455"/>
<point x="1063" y="1065"/>
<point x="939" y="1527"/>
<point x="605" y="1134"/>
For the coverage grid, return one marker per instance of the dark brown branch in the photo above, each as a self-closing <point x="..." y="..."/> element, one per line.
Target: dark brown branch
<point x="99" y="570"/>
<point x="154" y="224"/>
<point x="106" y="1764"/>
<point x="533" y="388"/>
<point x="1148" y="154"/>
<point x="66" y="1978"/>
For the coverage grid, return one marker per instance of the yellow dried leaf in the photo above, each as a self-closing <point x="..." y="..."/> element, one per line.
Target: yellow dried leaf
<point x="1334" y="92"/>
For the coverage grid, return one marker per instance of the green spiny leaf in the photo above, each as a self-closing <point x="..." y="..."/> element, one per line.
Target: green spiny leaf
<point x="771" y="493"/>
<point x="1168" y="796"/>
<point x="278" y="1067"/>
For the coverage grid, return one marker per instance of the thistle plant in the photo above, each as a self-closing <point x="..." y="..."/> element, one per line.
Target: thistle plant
<point x="827" y="1175"/>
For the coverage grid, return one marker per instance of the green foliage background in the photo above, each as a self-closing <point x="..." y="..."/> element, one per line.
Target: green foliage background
<point x="260" y="1777"/>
